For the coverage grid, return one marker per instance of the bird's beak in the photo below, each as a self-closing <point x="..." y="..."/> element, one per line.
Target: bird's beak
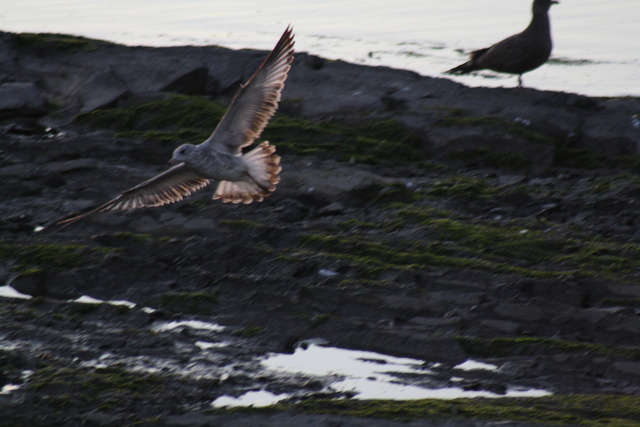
<point x="555" y="2"/>
<point x="171" y="162"/>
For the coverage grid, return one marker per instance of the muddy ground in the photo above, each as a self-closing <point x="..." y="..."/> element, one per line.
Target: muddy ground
<point x="416" y="218"/>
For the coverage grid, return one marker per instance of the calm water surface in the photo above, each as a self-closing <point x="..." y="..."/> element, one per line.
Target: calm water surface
<point x="596" y="42"/>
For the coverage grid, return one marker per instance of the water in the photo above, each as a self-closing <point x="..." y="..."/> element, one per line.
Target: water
<point x="7" y="291"/>
<point x="367" y="375"/>
<point x="207" y="351"/>
<point x="189" y="324"/>
<point x="595" y="41"/>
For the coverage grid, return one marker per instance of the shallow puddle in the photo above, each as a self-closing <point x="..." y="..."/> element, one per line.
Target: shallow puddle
<point x="85" y="299"/>
<point x="8" y="292"/>
<point x="472" y="365"/>
<point x="365" y="375"/>
<point x="9" y="388"/>
<point x="192" y="324"/>
<point x="257" y="399"/>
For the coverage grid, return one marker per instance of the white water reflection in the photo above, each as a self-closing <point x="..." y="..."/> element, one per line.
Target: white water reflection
<point x="9" y="388"/>
<point x="193" y="324"/>
<point x="317" y="360"/>
<point x="85" y="299"/>
<point x="8" y="292"/>
<point x="366" y="375"/>
<point x="367" y="389"/>
<point x="256" y="399"/>
<point x="420" y="35"/>
<point x="472" y="365"/>
<point x="205" y="345"/>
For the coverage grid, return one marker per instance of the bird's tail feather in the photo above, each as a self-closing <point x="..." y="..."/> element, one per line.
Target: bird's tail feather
<point x="467" y="67"/>
<point x="263" y="176"/>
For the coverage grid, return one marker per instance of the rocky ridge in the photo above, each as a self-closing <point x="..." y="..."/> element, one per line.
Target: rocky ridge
<point x="416" y="217"/>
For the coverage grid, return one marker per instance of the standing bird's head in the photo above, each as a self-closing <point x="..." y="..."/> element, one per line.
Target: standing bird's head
<point x="182" y="154"/>
<point x="543" y="6"/>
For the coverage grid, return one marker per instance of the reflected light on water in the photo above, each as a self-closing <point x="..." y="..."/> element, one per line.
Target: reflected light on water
<point x="366" y="375"/>
<point x="426" y="36"/>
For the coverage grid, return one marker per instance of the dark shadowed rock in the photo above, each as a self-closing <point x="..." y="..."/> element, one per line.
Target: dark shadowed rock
<point x="20" y="99"/>
<point x="486" y="241"/>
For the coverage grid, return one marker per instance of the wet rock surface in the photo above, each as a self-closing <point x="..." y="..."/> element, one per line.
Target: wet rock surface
<point x="416" y="218"/>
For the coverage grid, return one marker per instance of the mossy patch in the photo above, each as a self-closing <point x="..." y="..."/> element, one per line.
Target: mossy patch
<point x="485" y="156"/>
<point x="590" y="410"/>
<point x="371" y="142"/>
<point x="140" y="237"/>
<point x="250" y="331"/>
<point x="11" y="364"/>
<point x="462" y="186"/>
<point x="564" y="156"/>
<point x="581" y="158"/>
<point x="395" y="192"/>
<point x="174" y="118"/>
<point x="81" y="308"/>
<point x="539" y="250"/>
<point x="189" y="302"/>
<point x="108" y="388"/>
<point x="513" y="128"/>
<point x="513" y="346"/>
<point x="240" y="223"/>
<point x="190" y="119"/>
<point x="372" y="256"/>
<point x="628" y="161"/>
<point x="58" y="256"/>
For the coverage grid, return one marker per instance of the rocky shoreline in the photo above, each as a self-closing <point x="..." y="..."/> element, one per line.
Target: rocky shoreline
<point x="416" y="218"/>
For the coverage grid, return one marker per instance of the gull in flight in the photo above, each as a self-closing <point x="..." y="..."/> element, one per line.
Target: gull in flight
<point x="242" y="177"/>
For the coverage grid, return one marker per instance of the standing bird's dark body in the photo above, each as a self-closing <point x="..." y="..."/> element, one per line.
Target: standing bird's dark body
<point x="519" y="53"/>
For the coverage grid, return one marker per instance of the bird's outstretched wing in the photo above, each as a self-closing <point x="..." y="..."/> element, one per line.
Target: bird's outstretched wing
<point x="255" y="102"/>
<point x="169" y="187"/>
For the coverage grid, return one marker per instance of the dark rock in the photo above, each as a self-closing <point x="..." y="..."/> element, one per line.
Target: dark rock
<point x="312" y="61"/>
<point x="192" y="83"/>
<point x="360" y="255"/>
<point x="25" y="126"/>
<point x="503" y="326"/>
<point x="335" y="208"/>
<point x="435" y="322"/>
<point x="627" y="368"/>
<point x="524" y="313"/>
<point x="33" y="283"/>
<point x="20" y="99"/>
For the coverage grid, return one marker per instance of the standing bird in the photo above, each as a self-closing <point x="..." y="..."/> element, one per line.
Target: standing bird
<point x="245" y="178"/>
<point x="519" y="53"/>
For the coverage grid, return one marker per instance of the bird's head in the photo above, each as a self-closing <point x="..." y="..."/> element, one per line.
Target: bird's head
<point x="182" y="154"/>
<point x="543" y="6"/>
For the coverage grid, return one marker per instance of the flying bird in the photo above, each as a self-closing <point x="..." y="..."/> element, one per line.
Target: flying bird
<point x="518" y="53"/>
<point x="242" y="177"/>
